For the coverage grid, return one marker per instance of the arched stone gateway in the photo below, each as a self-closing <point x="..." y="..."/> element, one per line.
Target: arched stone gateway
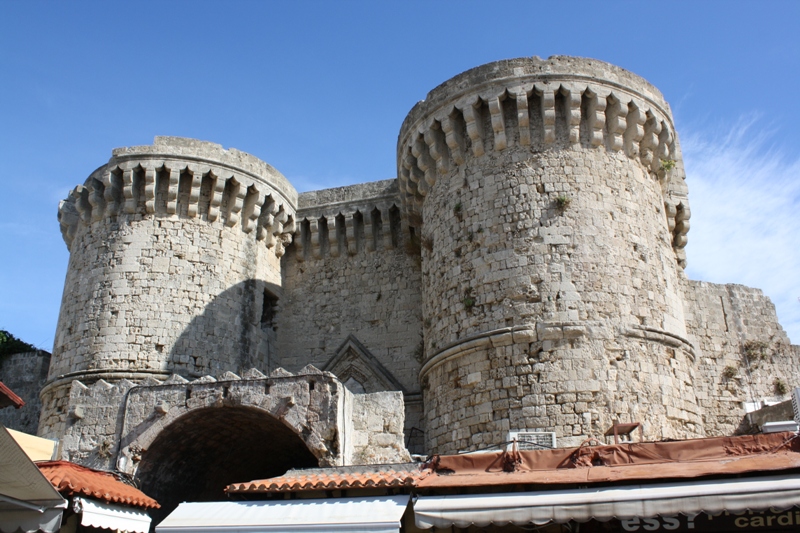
<point x="305" y="407"/>
<point x="199" y="454"/>
<point x="185" y="440"/>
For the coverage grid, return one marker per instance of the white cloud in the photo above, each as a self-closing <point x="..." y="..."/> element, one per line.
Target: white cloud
<point x="745" y="200"/>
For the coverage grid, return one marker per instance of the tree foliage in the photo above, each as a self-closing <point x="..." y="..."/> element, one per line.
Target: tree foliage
<point x="9" y="344"/>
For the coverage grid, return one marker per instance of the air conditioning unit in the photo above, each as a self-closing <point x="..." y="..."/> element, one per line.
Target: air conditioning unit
<point x="777" y="427"/>
<point x="531" y="439"/>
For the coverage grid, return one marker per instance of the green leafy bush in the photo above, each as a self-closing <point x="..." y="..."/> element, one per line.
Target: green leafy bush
<point x="9" y="344"/>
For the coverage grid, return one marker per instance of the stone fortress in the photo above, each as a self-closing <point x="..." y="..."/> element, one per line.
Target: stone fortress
<point x="524" y="272"/>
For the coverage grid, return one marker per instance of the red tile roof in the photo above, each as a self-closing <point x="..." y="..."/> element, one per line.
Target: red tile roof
<point x="7" y="397"/>
<point x="334" y="479"/>
<point x="71" y="479"/>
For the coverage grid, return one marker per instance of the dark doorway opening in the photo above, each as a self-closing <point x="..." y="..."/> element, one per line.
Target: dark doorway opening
<point x="197" y="456"/>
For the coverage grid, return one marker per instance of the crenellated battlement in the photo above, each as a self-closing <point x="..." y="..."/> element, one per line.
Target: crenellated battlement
<point x="186" y="178"/>
<point x="350" y="220"/>
<point x="538" y="105"/>
<point x="350" y="230"/>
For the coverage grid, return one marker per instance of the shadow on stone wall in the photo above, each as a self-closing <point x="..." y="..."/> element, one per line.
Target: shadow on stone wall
<point x="235" y="332"/>
<point x="25" y="374"/>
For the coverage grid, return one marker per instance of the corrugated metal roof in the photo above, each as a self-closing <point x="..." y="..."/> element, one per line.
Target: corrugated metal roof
<point x="332" y="479"/>
<point x="71" y="479"/>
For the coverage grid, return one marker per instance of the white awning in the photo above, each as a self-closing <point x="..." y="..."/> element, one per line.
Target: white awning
<point x="375" y="514"/>
<point x="605" y="503"/>
<point x="113" y="517"/>
<point x="28" y="502"/>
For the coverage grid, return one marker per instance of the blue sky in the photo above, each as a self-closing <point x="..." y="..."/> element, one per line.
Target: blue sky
<point x="319" y="90"/>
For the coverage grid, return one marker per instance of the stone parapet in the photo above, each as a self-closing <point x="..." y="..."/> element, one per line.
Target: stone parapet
<point x="537" y="105"/>
<point x="350" y="220"/>
<point x="186" y="178"/>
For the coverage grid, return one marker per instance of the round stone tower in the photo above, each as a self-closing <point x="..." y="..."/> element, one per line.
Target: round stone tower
<point x="174" y="267"/>
<point x="549" y="202"/>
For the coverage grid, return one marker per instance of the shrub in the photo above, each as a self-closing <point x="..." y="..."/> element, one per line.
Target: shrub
<point x="468" y="301"/>
<point x="755" y="351"/>
<point x="563" y="201"/>
<point x="781" y="387"/>
<point x="9" y="344"/>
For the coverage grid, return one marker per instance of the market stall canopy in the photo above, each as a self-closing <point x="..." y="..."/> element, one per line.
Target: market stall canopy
<point x="620" y="463"/>
<point x="604" y="503"/>
<point x="28" y="502"/>
<point x="371" y="514"/>
<point x="113" y="517"/>
<point x="37" y="448"/>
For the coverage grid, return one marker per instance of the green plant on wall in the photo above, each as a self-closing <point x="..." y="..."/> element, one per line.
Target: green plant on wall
<point x="755" y="351"/>
<point x="563" y="201"/>
<point x="458" y="211"/>
<point x="780" y="386"/>
<point x="667" y="164"/>
<point x="469" y="300"/>
<point x="9" y="344"/>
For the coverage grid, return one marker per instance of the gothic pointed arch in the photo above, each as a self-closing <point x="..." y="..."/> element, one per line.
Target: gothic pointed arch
<point x="360" y="370"/>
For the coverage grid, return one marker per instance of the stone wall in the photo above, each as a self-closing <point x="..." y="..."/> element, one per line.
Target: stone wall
<point x="377" y="429"/>
<point x="745" y="353"/>
<point x="351" y="293"/>
<point x="171" y="296"/>
<point x="25" y="374"/>
<point x="575" y="385"/>
<point x="187" y="440"/>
